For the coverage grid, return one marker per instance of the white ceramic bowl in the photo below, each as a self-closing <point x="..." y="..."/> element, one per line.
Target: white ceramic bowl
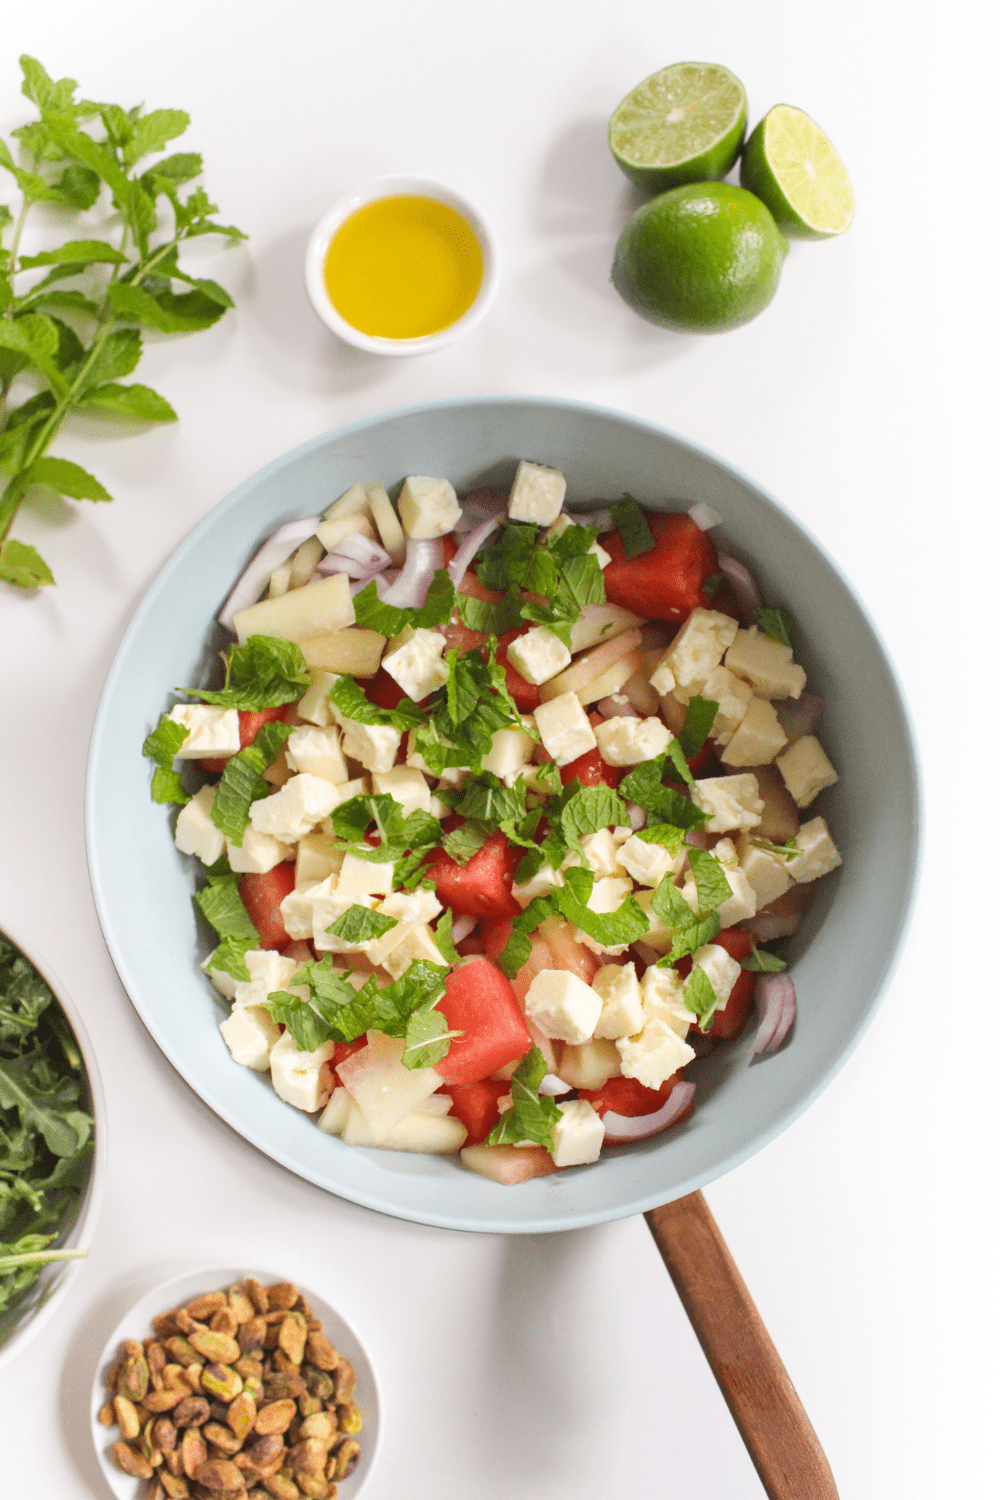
<point x="841" y="957"/>
<point x="373" y="192"/>
<point x="137" y="1324"/>
<point x="30" y="1311"/>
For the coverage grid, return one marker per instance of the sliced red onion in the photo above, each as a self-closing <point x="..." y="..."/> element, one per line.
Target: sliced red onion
<point x="766" y="928"/>
<point x="423" y="559"/>
<point x="649" y="955"/>
<point x="616" y="707"/>
<point x="554" y="1086"/>
<point x="365" y="579"/>
<point x="775" y="998"/>
<point x="638" y="1127"/>
<point x="704" y="517"/>
<point x="637" y="816"/>
<point x="276" y="550"/>
<point x="355" y="555"/>
<point x="599" y="518"/>
<point x="799" y="716"/>
<point x="744" y="586"/>
<point x="480" y="507"/>
<point x="696" y="837"/>
<point x="461" y="927"/>
<point x="459" y="564"/>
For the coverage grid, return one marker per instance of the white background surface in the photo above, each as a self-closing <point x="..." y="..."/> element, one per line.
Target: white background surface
<point x="563" y="1366"/>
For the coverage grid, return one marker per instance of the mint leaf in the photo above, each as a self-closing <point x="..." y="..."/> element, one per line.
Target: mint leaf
<point x="760" y="961"/>
<point x="700" y="997"/>
<point x="389" y="620"/>
<point x="667" y="834"/>
<point x="532" y="1116"/>
<point x="710" y="880"/>
<point x="359" y="925"/>
<point x="229" y="958"/>
<point x="775" y="623"/>
<point x="632" y="527"/>
<point x="265" y="673"/>
<point x="137" y="403"/>
<point x="675" y="754"/>
<point x="243" y="780"/>
<point x="611" y="929"/>
<point x="347" y="696"/>
<point x="22" y="565"/>
<point x="780" y="851"/>
<point x="489" y="619"/>
<point x="644" y="786"/>
<point x="463" y="842"/>
<point x="162" y="745"/>
<point x="68" y="478"/>
<point x="312" y="1021"/>
<point x="428" y="1039"/>
<point x="509" y="560"/>
<point x="487" y="798"/>
<point x="83" y="251"/>
<point x="389" y="1010"/>
<point x="219" y="903"/>
<point x="443" y="937"/>
<point x="711" y="584"/>
<point x="697" y="724"/>
<point x="589" y="810"/>
<point x="518" y="946"/>
<point x="689" y="933"/>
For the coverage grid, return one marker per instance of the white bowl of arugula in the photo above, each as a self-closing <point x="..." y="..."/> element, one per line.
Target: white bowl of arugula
<point x="52" y="1144"/>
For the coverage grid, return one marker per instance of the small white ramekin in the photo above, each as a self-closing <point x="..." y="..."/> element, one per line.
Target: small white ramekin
<point x="372" y="192"/>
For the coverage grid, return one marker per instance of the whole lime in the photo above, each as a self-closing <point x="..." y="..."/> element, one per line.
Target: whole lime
<point x="703" y="258"/>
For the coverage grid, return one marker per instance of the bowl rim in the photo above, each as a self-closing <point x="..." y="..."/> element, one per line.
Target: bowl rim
<point x="501" y="1224"/>
<point x="62" y="1275"/>
<point x="373" y="191"/>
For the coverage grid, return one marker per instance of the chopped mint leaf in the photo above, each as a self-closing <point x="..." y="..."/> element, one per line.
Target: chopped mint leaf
<point x="546" y="779"/>
<point x="710" y="880"/>
<point x="388" y="620"/>
<point x="632" y="527"/>
<point x="781" y="851"/>
<point x="697" y="724"/>
<point x="487" y="798"/>
<point x="327" y="983"/>
<point x="533" y="1115"/>
<point x="229" y="958"/>
<point x="676" y="755"/>
<point x="644" y="786"/>
<point x="490" y="619"/>
<point x="590" y="809"/>
<point x="265" y="673"/>
<point x="359" y="924"/>
<point x="443" y="937"/>
<point x="163" y="744"/>
<point x="711" y="584"/>
<point x="428" y="1039"/>
<point x="515" y="954"/>
<point x="312" y="1021"/>
<point x="243" y="780"/>
<point x="689" y="932"/>
<point x="389" y="1010"/>
<point x="508" y="561"/>
<point x="700" y="997"/>
<point x="348" y="698"/>
<point x="462" y="843"/>
<point x="613" y="928"/>
<point x="760" y="961"/>
<point x="667" y="834"/>
<point x="398" y="835"/>
<point x="775" y="623"/>
<point x="219" y="903"/>
<point x="573" y="541"/>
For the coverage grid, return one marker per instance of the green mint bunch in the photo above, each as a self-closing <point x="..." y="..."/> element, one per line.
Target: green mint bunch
<point x="69" y="336"/>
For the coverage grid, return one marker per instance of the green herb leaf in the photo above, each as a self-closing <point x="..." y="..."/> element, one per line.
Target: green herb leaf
<point x="359" y="924"/>
<point x="490" y="619"/>
<point x="264" y="673"/>
<point x="428" y="1039"/>
<point x="389" y="620"/>
<point x="532" y="1116"/>
<point x="710" y="880"/>
<point x="776" y="624"/>
<point x="644" y="786"/>
<point x="443" y="937"/>
<point x="22" y="565"/>
<point x="518" y="946"/>
<point x="632" y="527"/>
<point x="347" y="696"/>
<point x="68" y="479"/>
<point x="589" y="810"/>
<point x="675" y="755"/>
<point x="243" y="780"/>
<point x="697" y="724"/>
<point x="152" y="132"/>
<point x="700" y="997"/>
<point x="611" y="929"/>
<point x="137" y="403"/>
<point x="465" y="841"/>
<point x="86" y="252"/>
<point x="761" y="961"/>
<point x="162" y="745"/>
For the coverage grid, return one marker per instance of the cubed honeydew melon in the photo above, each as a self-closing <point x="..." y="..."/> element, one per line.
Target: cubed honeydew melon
<point x="508" y="1164"/>
<point x="334" y="1117"/>
<point x="442" y="1135"/>
<point x="610" y="681"/>
<point x="598" y="623"/>
<point x="589" y="1065"/>
<point x="330" y="533"/>
<point x="390" y="531"/>
<point x="352" y="502"/>
<point x="382" y="1088"/>
<point x="323" y="606"/>
<point x="304" y="562"/>
<point x="357" y="651"/>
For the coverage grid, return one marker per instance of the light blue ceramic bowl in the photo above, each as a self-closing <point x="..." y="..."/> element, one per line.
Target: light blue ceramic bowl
<point x="842" y="956"/>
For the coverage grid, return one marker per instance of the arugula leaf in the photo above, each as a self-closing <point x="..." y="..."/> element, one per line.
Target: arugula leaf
<point x="359" y="924"/>
<point x="265" y="673"/>
<point x="697" y="724"/>
<point x="775" y="623"/>
<point x="162" y="745"/>
<point x="533" y="1115"/>
<point x="632" y="527"/>
<point x="710" y="880"/>
<point x="350" y="701"/>
<point x="761" y="961"/>
<point x="243" y="780"/>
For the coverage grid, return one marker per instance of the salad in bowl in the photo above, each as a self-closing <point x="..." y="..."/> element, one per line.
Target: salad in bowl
<point x="503" y="815"/>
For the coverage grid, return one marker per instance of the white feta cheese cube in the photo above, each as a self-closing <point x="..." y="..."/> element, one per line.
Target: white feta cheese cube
<point x="297" y="907"/>
<point x="537" y="494"/>
<point x="405" y="785"/>
<point x="626" y="741"/>
<point x="302" y="1079"/>
<point x="195" y="832"/>
<point x="428" y="507"/>
<point x="578" y="1134"/>
<point x="767" y="665"/>
<point x="589" y="1065"/>
<point x="211" y="732"/>
<point x="417" y="944"/>
<point x="621" y="1007"/>
<point x="316" y="858"/>
<point x="661" y="678"/>
<point x="648" y="863"/>
<point x="294" y="810"/>
<point x="767" y="873"/>
<point x="348" y="789"/>
<point x="258" y="853"/>
<point x="224" y="983"/>
<point x="729" y="801"/>
<point x="364" y="877"/>
<point x="721" y="969"/>
<point x="314" y="704"/>
<point x="564" y="728"/>
<point x="654" y="1055"/>
<point x="538" y="654"/>
<point x="819" y="853"/>
<point x="806" y="769"/>
<point x="268" y="971"/>
<point x="697" y="649"/>
<point x="601" y="851"/>
<point x="250" y="1034"/>
<point x="541" y="884"/>
<point x="562" y="1006"/>
<point x="743" y="902"/>
<point x="416" y="664"/>
<point x="509" y="753"/>
<point x="418" y="907"/>
<point x="757" y="738"/>
<point x="733" y="696"/>
<point x="374" y="745"/>
<point x="317" y="752"/>
<point x="663" y="1000"/>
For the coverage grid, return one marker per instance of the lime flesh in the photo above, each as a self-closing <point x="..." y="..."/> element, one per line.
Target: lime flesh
<point x="702" y="258"/>
<point x="792" y="167"/>
<point x="683" y="124"/>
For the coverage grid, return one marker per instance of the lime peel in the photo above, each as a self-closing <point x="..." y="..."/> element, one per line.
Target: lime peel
<point x="792" y="167"/>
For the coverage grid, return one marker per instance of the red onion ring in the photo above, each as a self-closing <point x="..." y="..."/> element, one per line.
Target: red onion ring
<point x="775" y="998"/>
<point x="477" y="508"/>
<point x="599" y="518"/>
<point x="609" y="708"/>
<point x="799" y="716"/>
<point x="637" y="816"/>
<point x="355" y="555"/>
<point x="459" y="564"/>
<point x="704" y="517"/>
<point x="766" y="928"/>
<point x="461" y="927"/>
<point x="277" y="549"/>
<point x="638" y="1127"/>
<point x="744" y="586"/>
<point x="423" y="558"/>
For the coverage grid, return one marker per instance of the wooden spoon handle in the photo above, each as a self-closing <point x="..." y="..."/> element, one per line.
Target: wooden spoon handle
<point x="765" y="1407"/>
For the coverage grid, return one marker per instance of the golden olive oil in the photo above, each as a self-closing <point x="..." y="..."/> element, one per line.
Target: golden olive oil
<point x="403" y="268"/>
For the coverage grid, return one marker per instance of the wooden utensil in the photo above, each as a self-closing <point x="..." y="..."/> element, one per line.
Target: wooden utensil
<point x="765" y="1407"/>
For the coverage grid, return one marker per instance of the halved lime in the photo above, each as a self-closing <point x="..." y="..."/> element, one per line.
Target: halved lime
<point x="683" y="124"/>
<point x="792" y="167"/>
